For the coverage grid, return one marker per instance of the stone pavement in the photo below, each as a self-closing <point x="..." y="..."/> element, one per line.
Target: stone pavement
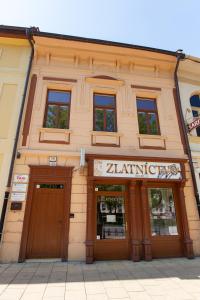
<point x="166" y="279"/>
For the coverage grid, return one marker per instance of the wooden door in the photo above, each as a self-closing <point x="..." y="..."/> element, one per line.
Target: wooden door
<point x="46" y="221"/>
<point x="111" y="234"/>
<point x="166" y="230"/>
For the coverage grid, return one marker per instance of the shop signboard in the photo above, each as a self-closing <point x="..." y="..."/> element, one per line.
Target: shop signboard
<point x="137" y="169"/>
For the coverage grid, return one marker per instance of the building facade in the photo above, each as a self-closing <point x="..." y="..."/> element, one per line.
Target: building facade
<point x="15" y="51"/>
<point x="189" y="86"/>
<point x="131" y="195"/>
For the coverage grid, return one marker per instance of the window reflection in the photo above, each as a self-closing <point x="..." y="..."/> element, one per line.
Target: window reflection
<point x="110" y="217"/>
<point x="162" y="211"/>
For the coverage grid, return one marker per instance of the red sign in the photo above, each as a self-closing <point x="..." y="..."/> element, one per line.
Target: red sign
<point x="194" y="124"/>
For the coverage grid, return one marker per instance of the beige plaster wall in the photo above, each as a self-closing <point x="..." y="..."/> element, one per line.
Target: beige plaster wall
<point x="81" y="62"/>
<point x="14" y="59"/>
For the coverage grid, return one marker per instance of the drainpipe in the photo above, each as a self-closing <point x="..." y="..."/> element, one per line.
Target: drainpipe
<point x="183" y="127"/>
<point x="29" y="32"/>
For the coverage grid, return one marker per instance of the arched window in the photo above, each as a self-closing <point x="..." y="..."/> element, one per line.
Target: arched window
<point x="195" y="105"/>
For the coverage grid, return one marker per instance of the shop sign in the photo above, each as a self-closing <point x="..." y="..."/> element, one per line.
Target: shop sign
<point x="20" y="178"/>
<point x="19" y="187"/>
<point x="18" y="196"/>
<point x="194" y="124"/>
<point x="137" y="169"/>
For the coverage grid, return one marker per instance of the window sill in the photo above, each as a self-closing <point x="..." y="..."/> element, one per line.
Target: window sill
<point x="105" y="138"/>
<point x="54" y="135"/>
<point x="148" y="141"/>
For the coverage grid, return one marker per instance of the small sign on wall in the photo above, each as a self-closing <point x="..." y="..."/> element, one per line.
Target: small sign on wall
<point x="18" y="197"/>
<point x="20" y="178"/>
<point x="19" y="187"/>
<point x="52" y="160"/>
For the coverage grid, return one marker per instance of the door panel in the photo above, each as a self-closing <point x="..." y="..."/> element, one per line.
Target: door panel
<point x="112" y="238"/>
<point x="46" y="221"/>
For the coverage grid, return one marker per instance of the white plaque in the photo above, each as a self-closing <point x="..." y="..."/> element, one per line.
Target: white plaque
<point x="19" y="187"/>
<point x="18" y="196"/>
<point x="137" y="169"/>
<point x="53" y="158"/>
<point x="21" y="178"/>
<point x="111" y="218"/>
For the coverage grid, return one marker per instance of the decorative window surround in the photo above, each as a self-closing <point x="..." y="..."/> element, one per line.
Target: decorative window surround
<point x="156" y="142"/>
<point x="106" y="139"/>
<point x="104" y="82"/>
<point x="54" y="135"/>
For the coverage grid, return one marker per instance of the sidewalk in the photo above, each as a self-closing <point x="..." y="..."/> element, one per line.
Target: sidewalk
<point x="166" y="279"/>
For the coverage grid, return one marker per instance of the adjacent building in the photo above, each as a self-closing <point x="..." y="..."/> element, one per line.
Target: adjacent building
<point x="102" y="171"/>
<point x="15" y="52"/>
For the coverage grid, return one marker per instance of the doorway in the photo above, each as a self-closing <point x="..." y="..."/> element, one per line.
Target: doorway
<point x="112" y="233"/>
<point x="46" y="222"/>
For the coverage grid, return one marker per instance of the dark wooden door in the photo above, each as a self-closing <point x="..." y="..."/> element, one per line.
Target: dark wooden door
<point x="46" y="221"/>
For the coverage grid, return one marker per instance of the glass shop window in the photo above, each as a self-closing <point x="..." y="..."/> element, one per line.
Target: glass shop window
<point x="162" y="212"/>
<point x="109" y="187"/>
<point x="105" y="113"/>
<point x="195" y="105"/>
<point x="57" y="109"/>
<point x="49" y="186"/>
<point x="147" y="116"/>
<point x="110" y="218"/>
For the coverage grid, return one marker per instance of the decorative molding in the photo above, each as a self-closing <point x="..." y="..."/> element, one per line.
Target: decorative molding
<point x="142" y="87"/>
<point x="29" y="109"/>
<point x="106" y="139"/>
<point x="104" y="81"/>
<point x="59" y="79"/>
<point x="54" y="135"/>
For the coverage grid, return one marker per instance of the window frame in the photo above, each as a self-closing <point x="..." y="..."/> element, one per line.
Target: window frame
<point x="57" y="104"/>
<point x="146" y="111"/>
<point x="104" y="108"/>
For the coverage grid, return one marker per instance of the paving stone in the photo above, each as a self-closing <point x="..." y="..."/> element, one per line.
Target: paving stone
<point x="116" y="292"/>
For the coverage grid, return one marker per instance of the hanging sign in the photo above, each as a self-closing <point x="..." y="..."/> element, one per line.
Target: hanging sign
<point x="137" y="169"/>
<point x="194" y="124"/>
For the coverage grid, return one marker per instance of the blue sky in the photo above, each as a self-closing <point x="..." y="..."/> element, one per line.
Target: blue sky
<point x="165" y="24"/>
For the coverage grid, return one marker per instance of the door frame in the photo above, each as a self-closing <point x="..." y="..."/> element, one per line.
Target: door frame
<point x="48" y="174"/>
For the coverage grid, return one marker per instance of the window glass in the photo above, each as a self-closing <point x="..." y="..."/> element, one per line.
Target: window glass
<point x="162" y="212"/>
<point x="57" y="110"/>
<point x="104" y="100"/>
<point x="49" y="186"/>
<point x="110" y="218"/>
<point x="58" y="96"/>
<point x="146" y="104"/>
<point x="104" y="113"/>
<point x="142" y="120"/>
<point x="195" y="113"/>
<point x="153" y="128"/>
<point x="195" y="101"/>
<point x="110" y="187"/>
<point x="52" y="111"/>
<point x="63" y="116"/>
<point x="147" y="116"/>
<point x="99" y="119"/>
<point x="110" y="120"/>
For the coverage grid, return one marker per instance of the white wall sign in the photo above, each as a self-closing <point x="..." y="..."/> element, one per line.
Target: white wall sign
<point x="19" y="187"/>
<point x="52" y="160"/>
<point x="20" y="178"/>
<point x="18" y="196"/>
<point x="137" y="169"/>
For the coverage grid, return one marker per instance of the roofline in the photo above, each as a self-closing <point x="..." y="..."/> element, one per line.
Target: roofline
<point x="105" y="42"/>
<point x="16" y="32"/>
<point x="21" y="32"/>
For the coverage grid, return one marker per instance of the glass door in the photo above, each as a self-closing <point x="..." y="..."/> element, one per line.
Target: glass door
<point x="111" y="240"/>
<point x="110" y="217"/>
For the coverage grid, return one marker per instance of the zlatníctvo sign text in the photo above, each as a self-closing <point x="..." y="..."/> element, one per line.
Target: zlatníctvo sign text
<point x="137" y="169"/>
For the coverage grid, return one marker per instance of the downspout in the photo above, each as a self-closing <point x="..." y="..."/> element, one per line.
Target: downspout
<point x="183" y="127"/>
<point x="29" y="32"/>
